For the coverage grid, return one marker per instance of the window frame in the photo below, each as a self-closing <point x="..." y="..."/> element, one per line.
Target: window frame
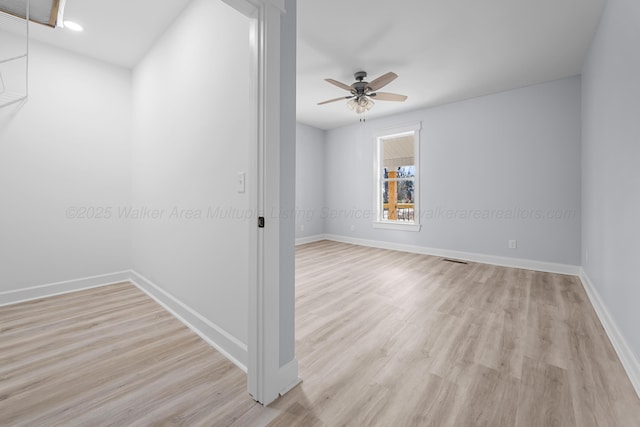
<point x="378" y="177"/>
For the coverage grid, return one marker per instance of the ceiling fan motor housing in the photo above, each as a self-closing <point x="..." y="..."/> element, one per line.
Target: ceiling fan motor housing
<point x="360" y="86"/>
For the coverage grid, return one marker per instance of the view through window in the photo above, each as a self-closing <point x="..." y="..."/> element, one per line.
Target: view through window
<point x="396" y="178"/>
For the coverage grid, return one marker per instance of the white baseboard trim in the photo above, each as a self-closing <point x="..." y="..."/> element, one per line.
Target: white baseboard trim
<point x="289" y="378"/>
<point x="232" y="348"/>
<point x="526" y="264"/>
<point x="59" y="288"/>
<point x="625" y="354"/>
<point x="310" y="239"/>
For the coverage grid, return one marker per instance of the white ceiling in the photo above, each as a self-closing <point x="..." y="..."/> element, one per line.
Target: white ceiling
<point x="442" y="50"/>
<point x="116" y="31"/>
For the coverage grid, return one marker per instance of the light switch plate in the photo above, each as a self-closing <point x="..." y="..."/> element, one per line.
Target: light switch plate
<point x="241" y="182"/>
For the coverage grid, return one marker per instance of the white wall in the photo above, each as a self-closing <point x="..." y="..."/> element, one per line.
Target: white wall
<point x="62" y="154"/>
<point x="611" y="172"/>
<point x="309" y="181"/>
<point x="516" y="151"/>
<point x="191" y="100"/>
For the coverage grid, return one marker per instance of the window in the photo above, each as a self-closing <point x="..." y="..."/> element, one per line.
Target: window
<point x="396" y="178"/>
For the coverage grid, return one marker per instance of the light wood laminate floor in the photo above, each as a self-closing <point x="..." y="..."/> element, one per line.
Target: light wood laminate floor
<point x="383" y="338"/>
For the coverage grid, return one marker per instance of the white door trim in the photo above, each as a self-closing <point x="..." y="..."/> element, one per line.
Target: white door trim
<point x="264" y="374"/>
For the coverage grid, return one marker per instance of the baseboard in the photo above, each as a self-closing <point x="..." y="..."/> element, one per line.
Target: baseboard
<point x="310" y="239"/>
<point x="525" y="264"/>
<point x="233" y="349"/>
<point x="289" y="377"/>
<point x="59" y="288"/>
<point x="625" y="354"/>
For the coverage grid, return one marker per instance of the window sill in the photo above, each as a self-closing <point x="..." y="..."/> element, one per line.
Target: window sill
<point x="388" y="225"/>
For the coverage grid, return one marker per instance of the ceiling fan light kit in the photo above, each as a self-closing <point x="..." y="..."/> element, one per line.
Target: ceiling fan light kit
<point x="362" y="91"/>
<point x="360" y="105"/>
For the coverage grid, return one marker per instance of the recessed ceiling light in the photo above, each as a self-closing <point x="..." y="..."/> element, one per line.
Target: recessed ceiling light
<point x="73" y="26"/>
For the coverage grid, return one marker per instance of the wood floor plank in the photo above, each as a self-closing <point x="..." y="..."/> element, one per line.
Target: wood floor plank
<point x="544" y="396"/>
<point x="477" y="380"/>
<point x="382" y="338"/>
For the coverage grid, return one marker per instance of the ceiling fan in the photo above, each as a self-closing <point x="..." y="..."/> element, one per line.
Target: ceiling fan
<point x="363" y="93"/>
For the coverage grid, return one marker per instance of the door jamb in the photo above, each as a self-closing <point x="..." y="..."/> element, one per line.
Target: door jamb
<point x="264" y="382"/>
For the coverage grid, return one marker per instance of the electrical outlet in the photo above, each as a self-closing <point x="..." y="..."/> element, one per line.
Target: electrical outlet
<point x="353" y="228"/>
<point x="513" y="244"/>
<point x="301" y="227"/>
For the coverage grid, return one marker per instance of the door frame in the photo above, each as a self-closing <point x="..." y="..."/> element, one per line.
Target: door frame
<point x="266" y="380"/>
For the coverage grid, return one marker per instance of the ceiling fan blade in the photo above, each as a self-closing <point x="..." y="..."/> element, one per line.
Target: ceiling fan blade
<point x="385" y="96"/>
<point x="340" y="85"/>
<point x="382" y="81"/>
<point x="342" y="98"/>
